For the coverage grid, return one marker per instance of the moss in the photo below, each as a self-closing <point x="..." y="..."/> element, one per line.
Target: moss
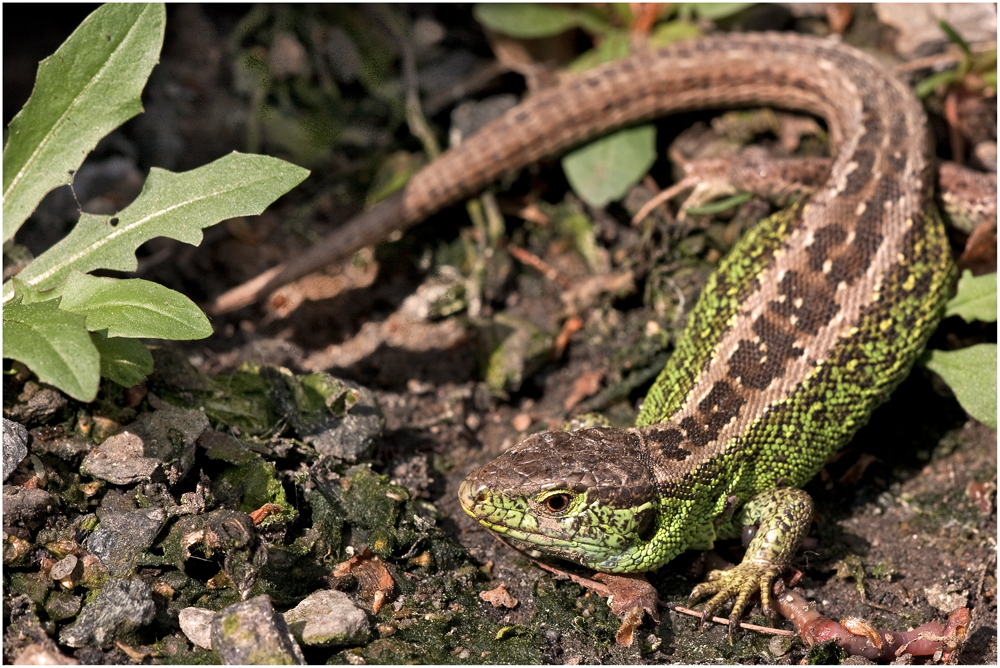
<point x="27" y="584"/>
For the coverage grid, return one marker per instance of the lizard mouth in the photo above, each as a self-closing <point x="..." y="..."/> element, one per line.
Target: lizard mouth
<point x="467" y="498"/>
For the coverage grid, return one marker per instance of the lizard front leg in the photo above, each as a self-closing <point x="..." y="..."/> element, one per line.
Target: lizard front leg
<point x="782" y="517"/>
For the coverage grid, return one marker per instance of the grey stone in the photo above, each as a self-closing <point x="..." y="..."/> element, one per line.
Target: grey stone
<point x="15" y="446"/>
<point x="326" y="618"/>
<point x="345" y="427"/>
<point x="352" y="436"/>
<point x="161" y="440"/>
<point x="123" y="537"/>
<point x="120" y="607"/>
<point x="26" y="506"/>
<point x="251" y="632"/>
<point x="68" y="448"/>
<point x="62" y="605"/>
<point x="36" y="404"/>
<point x="196" y="623"/>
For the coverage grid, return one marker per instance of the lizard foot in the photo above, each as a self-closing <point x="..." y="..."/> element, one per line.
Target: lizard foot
<point x="740" y="583"/>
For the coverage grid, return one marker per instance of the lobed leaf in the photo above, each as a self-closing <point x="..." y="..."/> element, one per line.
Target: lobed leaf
<point x="976" y="298"/>
<point x="86" y="89"/>
<point x="171" y="205"/>
<point x="133" y="308"/>
<point x="604" y="170"/>
<point x="972" y="375"/>
<point x="54" y="344"/>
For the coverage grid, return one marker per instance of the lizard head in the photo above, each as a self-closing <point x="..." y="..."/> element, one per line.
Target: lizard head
<point x="588" y="496"/>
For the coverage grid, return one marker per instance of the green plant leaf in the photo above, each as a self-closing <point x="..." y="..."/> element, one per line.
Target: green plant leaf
<point x="604" y="170"/>
<point x="972" y="375"/>
<point x="125" y="361"/>
<point x="525" y="20"/>
<point x="667" y="33"/>
<point x="713" y="208"/>
<point x="54" y="344"/>
<point x="954" y="37"/>
<point x="927" y="86"/>
<point x="614" y="45"/>
<point x="170" y="205"/>
<point x="133" y="308"/>
<point x="976" y="298"/>
<point x="713" y="10"/>
<point x="86" y="89"/>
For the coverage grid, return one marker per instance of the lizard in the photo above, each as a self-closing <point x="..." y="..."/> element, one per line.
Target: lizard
<point x="804" y="328"/>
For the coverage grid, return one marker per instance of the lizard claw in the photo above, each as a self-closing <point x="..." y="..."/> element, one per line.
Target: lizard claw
<point x="739" y="583"/>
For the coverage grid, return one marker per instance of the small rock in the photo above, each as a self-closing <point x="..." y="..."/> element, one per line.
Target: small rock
<point x="26" y="506"/>
<point x="345" y="427"/>
<point x="326" y="618"/>
<point x="779" y="645"/>
<point x="196" y="623"/>
<point x="37" y="655"/>
<point x="120" y="607"/>
<point x="163" y="439"/>
<point x="946" y="597"/>
<point x="67" y="448"/>
<point x="62" y="605"/>
<point x="35" y="404"/>
<point x="122" y="537"/>
<point x="64" y="568"/>
<point x="15" y="446"/>
<point x="251" y="632"/>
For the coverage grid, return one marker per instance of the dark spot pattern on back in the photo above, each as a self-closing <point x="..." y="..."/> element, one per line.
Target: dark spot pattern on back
<point x="719" y="406"/>
<point x="667" y="443"/>
<point x="756" y="364"/>
<point x="809" y="301"/>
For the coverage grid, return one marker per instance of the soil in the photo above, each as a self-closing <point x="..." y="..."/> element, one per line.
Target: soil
<point x="906" y="515"/>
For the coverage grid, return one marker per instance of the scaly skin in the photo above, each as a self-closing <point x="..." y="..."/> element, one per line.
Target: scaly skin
<point x="803" y="330"/>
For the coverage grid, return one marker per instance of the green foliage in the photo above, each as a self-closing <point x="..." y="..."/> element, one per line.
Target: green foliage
<point x="976" y="72"/>
<point x="71" y="328"/>
<point x="86" y="89"/>
<point x="711" y="10"/>
<point x="54" y="344"/>
<point x="526" y="20"/>
<point x="976" y="298"/>
<point x="972" y="375"/>
<point x="604" y="170"/>
<point x="971" y="372"/>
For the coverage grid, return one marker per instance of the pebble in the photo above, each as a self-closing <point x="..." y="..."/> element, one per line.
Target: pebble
<point x="123" y="536"/>
<point x="15" y="446"/>
<point x="26" y="506"/>
<point x="37" y="655"/>
<point x="251" y="632"/>
<point x="196" y="623"/>
<point x="326" y="618"/>
<point x="146" y="446"/>
<point x="120" y="607"/>
<point x="351" y="437"/>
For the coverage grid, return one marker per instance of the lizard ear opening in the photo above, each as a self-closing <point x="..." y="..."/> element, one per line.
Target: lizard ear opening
<point x="647" y="525"/>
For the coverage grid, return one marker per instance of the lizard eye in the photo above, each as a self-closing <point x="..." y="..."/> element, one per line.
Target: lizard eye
<point x="557" y="502"/>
